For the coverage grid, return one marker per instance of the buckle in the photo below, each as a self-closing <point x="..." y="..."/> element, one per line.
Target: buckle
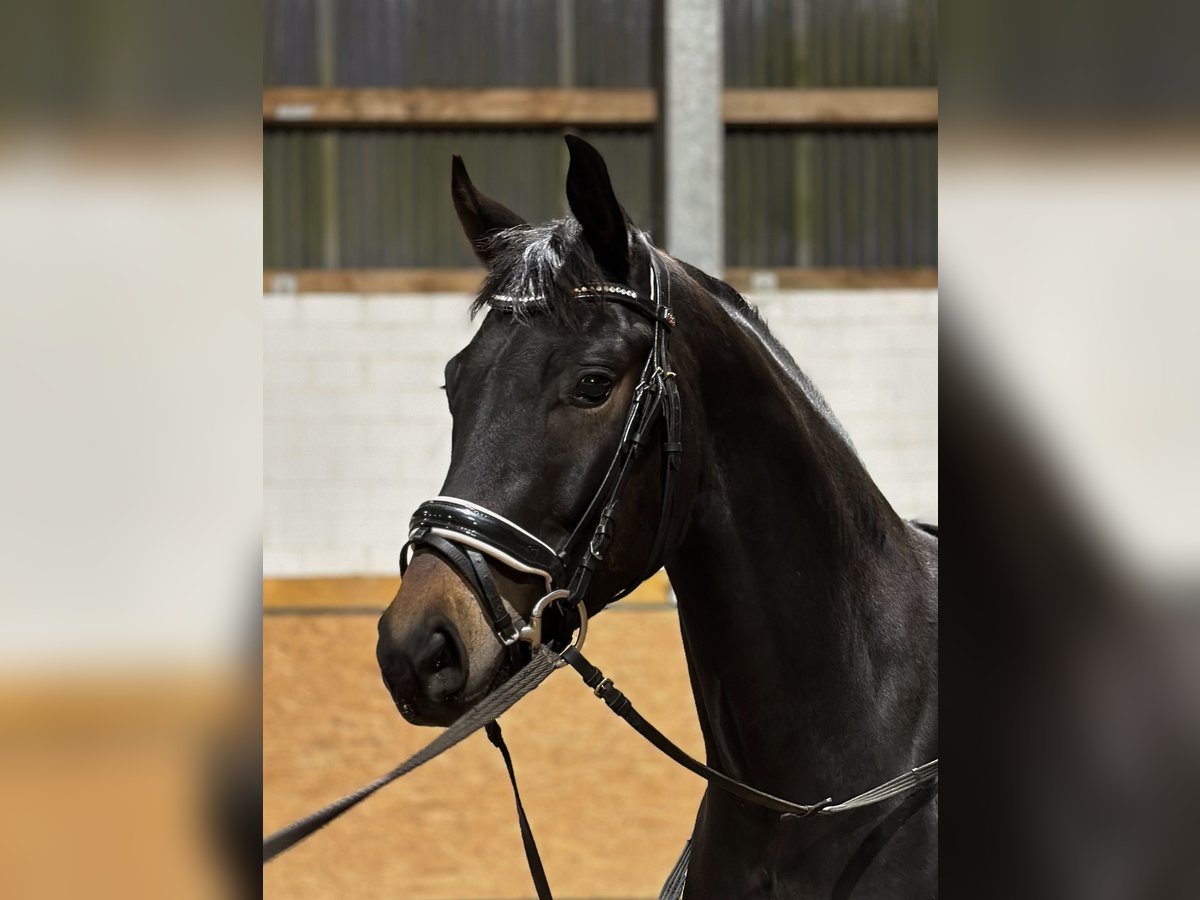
<point x="602" y="687"/>
<point x="597" y="545"/>
<point x="512" y="635"/>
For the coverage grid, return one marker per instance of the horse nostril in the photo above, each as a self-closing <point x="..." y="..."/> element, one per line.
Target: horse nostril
<point x="440" y="654"/>
<point x="436" y="649"/>
<point x="424" y="669"/>
<point x="442" y="664"/>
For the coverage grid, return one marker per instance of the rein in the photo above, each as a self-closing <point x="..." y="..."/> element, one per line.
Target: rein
<point x="465" y="534"/>
<point x="544" y="662"/>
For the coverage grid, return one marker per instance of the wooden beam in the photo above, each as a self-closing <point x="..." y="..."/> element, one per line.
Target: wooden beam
<point x="458" y="107"/>
<point x="784" y="107"/>
<point x="797" y="278"/>
<point x="417" y="107"/>
<point x="371" y="592"/>
<point x="371" y="281"/>
<point x="329" y="593"/>
<point x="466" y="281"/>
<point x="79" y="703"/>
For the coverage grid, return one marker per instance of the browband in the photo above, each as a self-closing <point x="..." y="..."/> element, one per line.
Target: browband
<point x="615" y="293"/>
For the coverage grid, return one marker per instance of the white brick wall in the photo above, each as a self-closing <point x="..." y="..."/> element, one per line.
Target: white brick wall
<point x="873" y="354"/>
<point x="356" y="432"/>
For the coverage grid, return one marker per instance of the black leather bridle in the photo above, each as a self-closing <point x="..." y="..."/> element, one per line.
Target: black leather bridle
<point x="466" y="535"/>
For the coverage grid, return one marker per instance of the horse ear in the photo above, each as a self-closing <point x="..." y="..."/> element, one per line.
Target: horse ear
<point x="593" y="202"/>
<point x="480" y="215"/>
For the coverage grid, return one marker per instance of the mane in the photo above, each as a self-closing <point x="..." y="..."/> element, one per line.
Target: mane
<point x="750" y="318"/>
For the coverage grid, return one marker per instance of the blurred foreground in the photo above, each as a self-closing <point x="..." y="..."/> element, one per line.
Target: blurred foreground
<point x="130" y="473"/>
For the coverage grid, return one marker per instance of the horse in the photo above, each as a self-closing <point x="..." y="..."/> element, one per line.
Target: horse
<point x="807" y="605"/>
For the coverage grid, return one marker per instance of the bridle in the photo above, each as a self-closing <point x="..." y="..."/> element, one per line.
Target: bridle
<point x="466" y="535"/>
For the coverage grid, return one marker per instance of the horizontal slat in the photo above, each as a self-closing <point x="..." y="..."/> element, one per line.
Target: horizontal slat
<point x="367" y="592"/>
<point x="778" y="107"/>
<point x="404" y="281"/>
<point x="372" y="281"/>
<point x="458" y="107"/>
<point x="798" y="278"/>
<point x="329" y="593"/>
<point x="831" y="106"/>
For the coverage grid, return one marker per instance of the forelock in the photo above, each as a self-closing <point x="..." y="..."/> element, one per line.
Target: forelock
<point x="537" y="267"/>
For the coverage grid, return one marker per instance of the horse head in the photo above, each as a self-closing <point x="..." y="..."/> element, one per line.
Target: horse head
<point x="544" y="443"/>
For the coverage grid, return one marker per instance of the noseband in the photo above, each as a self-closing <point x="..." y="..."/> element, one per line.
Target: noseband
<point x="466" y="535"/>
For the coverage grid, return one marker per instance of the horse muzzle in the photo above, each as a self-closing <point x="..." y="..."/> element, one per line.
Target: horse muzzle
<point x="425" y="669"/>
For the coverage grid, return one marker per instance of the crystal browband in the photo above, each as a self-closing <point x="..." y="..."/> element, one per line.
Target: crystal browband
<point x="627" y="297"/>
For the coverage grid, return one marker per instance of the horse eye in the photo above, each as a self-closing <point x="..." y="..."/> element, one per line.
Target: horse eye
<point x="593" y="389"/>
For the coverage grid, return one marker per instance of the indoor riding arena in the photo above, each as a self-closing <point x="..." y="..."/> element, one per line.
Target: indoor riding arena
<point x="788" y="147"/>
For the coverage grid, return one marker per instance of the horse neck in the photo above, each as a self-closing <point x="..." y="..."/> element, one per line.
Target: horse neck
<point x="782" y="576"/>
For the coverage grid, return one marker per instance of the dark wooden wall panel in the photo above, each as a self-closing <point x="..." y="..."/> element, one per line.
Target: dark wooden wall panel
<point x="372" y="198"/>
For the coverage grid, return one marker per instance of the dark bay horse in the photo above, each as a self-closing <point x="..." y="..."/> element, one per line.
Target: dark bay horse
<point x="808" y="607"/>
